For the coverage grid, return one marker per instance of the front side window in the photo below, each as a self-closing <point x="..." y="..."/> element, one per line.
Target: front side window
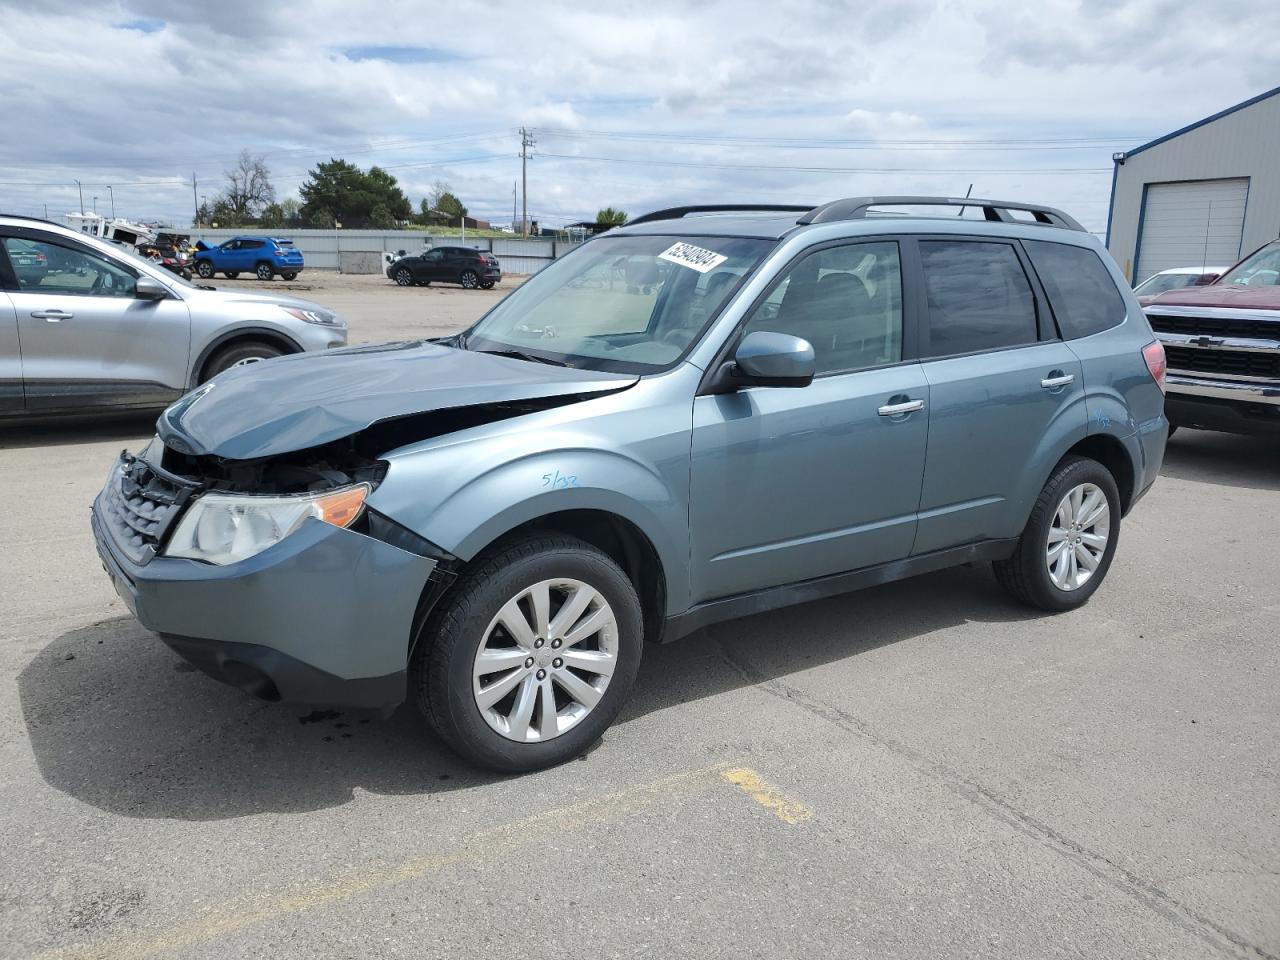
<point x="846" y="301"/>
<point x="1082" y="295"/>
<point x="979" y="297"/>
<point x="45" y="267"/>
<point x="1261" y="269"/>
<point x="633" y="304"/>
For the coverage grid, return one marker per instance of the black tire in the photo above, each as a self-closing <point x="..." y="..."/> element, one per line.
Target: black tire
<point x="289" y="275"/>
<point x="1025" y="575"/>
<point x="264" y="272"/>
<point x="486" y="284"/>
<point x="443" y="661"/>
<point x="231" y="274"/>
<point x="205" y="269"/>
<point x="242" y="351"/>
<point x="404" y="277"/>
<point x="469" y="279"/>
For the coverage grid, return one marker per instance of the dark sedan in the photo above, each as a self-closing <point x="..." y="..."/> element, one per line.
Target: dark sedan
<point x="464" y="265"/>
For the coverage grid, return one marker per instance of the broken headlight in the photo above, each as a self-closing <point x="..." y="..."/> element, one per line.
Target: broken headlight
<point x="227" y="528"/>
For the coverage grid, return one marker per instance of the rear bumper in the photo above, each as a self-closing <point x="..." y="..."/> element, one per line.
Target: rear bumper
<point x="287" y="267"/>
<point x="324" y="616"/>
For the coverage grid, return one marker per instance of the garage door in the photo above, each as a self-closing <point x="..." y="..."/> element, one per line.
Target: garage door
<point x="1191" y="224"/>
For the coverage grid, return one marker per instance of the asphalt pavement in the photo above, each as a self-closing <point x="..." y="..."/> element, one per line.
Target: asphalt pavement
<point x="922" y="769"/>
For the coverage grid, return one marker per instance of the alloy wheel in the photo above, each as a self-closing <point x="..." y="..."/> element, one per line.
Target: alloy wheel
<point x="469" y="279"/>
<point x="545" y="660"/>
<point x="1078" y="535"/>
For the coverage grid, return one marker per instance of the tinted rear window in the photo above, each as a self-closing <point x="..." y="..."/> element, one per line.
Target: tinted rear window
<point x="1081" y="292"/>
<point x="979" y="297"/>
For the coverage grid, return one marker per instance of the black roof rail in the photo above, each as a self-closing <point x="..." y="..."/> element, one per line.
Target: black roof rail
<point x="855" y="208"/>
<point x="675" y="213"/>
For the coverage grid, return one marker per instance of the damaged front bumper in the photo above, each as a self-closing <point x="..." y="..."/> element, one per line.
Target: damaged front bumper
<point x="324" y="616"/>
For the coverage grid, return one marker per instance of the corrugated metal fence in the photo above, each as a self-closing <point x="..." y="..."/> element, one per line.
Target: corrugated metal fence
<point x="360" y="251"/>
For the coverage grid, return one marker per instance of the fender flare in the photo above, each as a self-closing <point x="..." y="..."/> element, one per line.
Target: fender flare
<point x="273" y="336"/>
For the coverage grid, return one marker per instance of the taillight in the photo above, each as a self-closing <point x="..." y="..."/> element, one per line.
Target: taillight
<point x="1153" y="353"/>
<point x="40" y="258"/>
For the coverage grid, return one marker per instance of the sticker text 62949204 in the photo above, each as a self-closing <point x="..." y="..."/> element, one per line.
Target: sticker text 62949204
<point x="695" y="258"/>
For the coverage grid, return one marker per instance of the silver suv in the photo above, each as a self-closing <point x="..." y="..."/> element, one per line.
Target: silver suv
<point x="88" y="326"/>
<point x="700" y="415"/>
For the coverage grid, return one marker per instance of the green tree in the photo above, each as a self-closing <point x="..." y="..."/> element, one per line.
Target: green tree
<point x="292" y="210"/>
<point x="272" y="215"/>
<point x="451" y="206"/>
<point x="615" y="218"/>
<point x="224" y="214"/>
<point x="342" y="192"/>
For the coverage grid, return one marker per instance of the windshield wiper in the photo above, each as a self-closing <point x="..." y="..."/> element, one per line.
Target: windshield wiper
<point x="520" y="355"/>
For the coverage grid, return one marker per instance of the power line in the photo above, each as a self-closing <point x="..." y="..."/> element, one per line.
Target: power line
<point x="799" y="169"/>
<point x="847" y="143"/>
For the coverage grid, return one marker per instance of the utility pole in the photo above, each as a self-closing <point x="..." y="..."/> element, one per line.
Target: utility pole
<point x="194" y="203"/>
<point x="81" y="189"/>
<point x="111" y="193"/>
<point x="526" y="141"/>
<point x="513" y="204"/>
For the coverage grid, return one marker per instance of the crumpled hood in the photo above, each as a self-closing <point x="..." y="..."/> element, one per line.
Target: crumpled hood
<point x="304" y="400"/>
<point x="1235" y="296"/>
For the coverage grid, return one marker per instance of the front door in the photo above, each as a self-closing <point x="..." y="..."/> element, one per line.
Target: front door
<point x="1000" y="385"/>
<point x="789" y="484"/>
<point x="87" y="341"/>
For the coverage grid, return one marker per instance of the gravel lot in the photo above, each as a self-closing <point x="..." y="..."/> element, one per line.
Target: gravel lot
<point x="917" y="770"/>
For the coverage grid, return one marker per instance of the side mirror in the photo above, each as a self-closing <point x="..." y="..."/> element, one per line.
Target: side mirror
<point x="148" y="289"/>
<point x="765" y="359"/>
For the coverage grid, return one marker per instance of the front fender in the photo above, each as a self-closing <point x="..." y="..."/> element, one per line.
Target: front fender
<point x="466" y="513"/>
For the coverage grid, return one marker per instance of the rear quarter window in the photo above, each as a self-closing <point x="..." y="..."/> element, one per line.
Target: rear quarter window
<point x="1081" y="292"/>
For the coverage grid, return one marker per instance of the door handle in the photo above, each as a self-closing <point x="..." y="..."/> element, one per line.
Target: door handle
<point x="897" y="409"/>
<point x="53" y="316"/>
<point x="1059" y="380"/>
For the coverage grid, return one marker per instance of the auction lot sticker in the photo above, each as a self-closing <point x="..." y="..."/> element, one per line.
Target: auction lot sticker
<point x="695" y="258"/>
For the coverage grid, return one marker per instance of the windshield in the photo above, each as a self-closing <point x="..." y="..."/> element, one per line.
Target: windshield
<point x="633" y="304"/>
<point x="1165" y="281"/>
<point x="1262" y="269"/>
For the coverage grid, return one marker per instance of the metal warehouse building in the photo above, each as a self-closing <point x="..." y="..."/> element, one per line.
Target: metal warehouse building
<point x="1206" y="194"/>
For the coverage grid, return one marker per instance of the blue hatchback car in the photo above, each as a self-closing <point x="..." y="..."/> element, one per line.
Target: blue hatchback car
<point x="707" y="413"/>
<point x="263" y="256"/>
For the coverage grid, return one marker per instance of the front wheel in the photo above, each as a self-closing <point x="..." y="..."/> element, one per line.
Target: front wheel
<point x="469" y="279"/>
<point x="205" y="269"/>
<point x="289" y="275"/>
<point x="239" y="354"/>
<point x="1069" y="541"/>
<point x="265" y="272"/>
<point x="529" y="658"/>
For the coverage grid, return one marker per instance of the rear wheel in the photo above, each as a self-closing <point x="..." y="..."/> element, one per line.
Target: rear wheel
<point x="529" y="658"/>
<point x="404" y="277"/>
<point x="469" y="279"/>
<point x="1069" y="541"/>
<point x="205" y="269"/>
<point x="239" y="354"/>
<point x="265" y="271"/>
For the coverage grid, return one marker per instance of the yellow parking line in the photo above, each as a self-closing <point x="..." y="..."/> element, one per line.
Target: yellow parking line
<point x="767" y="795"/>
<point x="484" y="845"/>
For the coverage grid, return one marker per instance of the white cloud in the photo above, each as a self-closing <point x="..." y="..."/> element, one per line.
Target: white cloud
<point x="675" y="102"/>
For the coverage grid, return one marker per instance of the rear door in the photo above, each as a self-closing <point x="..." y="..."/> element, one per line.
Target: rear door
<point x="1003" y="390"/>
<point x="87" y="341"/>
<point x="11" y="398"/>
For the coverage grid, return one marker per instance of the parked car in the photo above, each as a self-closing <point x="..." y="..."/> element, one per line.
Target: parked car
<point x="805" y="402"/>
<point x="264" y="257"/>
<point x="1223" y="345"/>
<point x="471" y="268"/>
<point x="102" y="328"/>
<point x="1175" y="279"/>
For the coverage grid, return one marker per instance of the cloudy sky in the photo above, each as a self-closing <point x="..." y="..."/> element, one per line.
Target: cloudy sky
<point x="634" y="105"/>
